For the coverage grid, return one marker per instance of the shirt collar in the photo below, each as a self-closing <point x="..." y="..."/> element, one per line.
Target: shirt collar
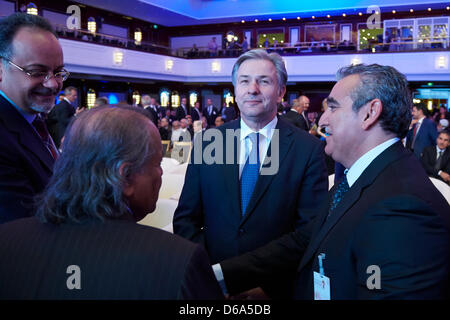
<point x="363" y="162"/>
<point x="267" y="131"/>
<point x="67" y="100"/>
<point x="294" y="110"/>
<point x="439" y="150"/>
<point x="29" y="117"/>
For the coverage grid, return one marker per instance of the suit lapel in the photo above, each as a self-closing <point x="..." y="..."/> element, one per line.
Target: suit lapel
<point x="285" y="142"/>
<point x="391" y="154"/>
<point x="27" y="136"/>
<point x="231" y="172"/>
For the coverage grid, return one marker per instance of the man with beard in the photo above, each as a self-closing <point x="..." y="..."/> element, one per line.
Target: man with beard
<point x="31" y="75"/>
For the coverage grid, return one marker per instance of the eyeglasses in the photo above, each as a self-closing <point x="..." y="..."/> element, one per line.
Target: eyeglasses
<point x="39" y="74"/>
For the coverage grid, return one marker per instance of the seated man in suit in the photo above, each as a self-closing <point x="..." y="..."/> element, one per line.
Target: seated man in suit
<point x="436" y="160"/>
<point x="84" y="242"/>
<point x="384" y="232"/>
<point x="295" y="116"/>
<point x="31" y="75"/>
<point x="271" y="174"/>
<point x="423" y="132"/>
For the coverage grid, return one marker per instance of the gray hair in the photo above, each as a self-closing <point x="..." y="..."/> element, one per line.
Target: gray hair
<point x="261" y="54"/>
<point x="87" y="182"/>
<point x="68" y="90"/>
<point x="145" y="99"/>
<point x="388" y="85"/>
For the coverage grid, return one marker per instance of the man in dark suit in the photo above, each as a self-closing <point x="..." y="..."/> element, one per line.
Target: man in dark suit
<point x="384" y="232"/>
<point x="436" y="160"/>
<point x="149" y="104"/>
<point x="295" y="116"/>
<point x="210" y="113"/>
<point x="423" y="132"/>
<point x="183" y="110"/>
<point x="31" y="75"/>
<point x="196" y="113"/>
<point x="64" y="112"/>
<point x="258" y="190"/>
<point x="84" y="242"/>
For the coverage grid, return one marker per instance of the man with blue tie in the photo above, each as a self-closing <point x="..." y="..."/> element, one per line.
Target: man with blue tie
<point x="384" y="231"/>
<point x="270" y="180"/>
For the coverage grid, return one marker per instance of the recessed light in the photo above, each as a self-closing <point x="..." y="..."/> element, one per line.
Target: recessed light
<point x="256" y="20"/>
<point x="270" y="19"/>
<point x="328" y="16"/>
<point x="429" y="9"/>
<point x="298" y="18"/>
<point x="284" y="19"/>
<point x="411" y="10"/>
<point x="313" y="17"/>
<point x="344" y="15"/>
<point x="393" y="11"/>
<point x="360" y="13"/>
<point x="243" y="21"/>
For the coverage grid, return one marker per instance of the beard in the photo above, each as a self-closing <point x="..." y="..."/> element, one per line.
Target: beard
<point x="42" y="108"/>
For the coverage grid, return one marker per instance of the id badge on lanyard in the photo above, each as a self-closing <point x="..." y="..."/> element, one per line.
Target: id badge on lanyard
<point x="322" y="287"/>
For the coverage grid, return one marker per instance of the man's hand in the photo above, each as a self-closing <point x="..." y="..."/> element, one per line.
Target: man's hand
<point x="445" y="176"/>
<point x="79" y="110"/>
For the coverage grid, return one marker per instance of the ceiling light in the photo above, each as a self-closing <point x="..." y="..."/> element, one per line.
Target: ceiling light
<point x="393" y="11"/>
<point x="328" y="16"/>
<point x="344" y="15"/>
<point x="360" y="13"/>
<point x="270" y="19"/>
<point x="429" y="9"/>
<point x="313" y="17"/>
<point x="411" y="10"/>
<point x="256" y="20"/>
<point x="243" y="21"/>
<point x="284" y="19"/>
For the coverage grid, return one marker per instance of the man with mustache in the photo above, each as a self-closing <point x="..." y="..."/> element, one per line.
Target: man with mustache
<point x="31" y="75"/>
<point x="232" y="207"/>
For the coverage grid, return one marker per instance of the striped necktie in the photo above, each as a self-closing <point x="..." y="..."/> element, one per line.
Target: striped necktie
<point x="39" y="124"/>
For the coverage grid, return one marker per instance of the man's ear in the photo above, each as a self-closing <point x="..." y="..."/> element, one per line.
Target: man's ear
<point x="128" y="187"/>
<point x="371" y="113"/>
<point x="281" y="95"/>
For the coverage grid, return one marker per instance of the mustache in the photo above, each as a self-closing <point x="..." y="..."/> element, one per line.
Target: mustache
<point x="46" y="92"/>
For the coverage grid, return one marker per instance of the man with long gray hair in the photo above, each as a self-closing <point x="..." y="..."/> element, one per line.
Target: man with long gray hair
<point x="84" y="242"/>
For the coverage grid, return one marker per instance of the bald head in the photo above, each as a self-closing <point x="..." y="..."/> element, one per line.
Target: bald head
<point x="304" y="102"/>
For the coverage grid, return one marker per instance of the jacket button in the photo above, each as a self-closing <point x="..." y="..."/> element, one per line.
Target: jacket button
<point x="241" y="231"/>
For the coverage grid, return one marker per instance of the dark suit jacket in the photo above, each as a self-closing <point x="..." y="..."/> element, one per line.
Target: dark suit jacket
<point x="210" y="118"/>
<point x="153" y="114"/>
<point x="118" y="259"/>
<point x="181" y="113"/>
<point x="195" y="115"/>
<point x="429" y="156"/>
<point x="296" y="119"/>
<point x="426" y="136"/>
<point x="209" y="210"/>
<point x="25" y="164"/>
<point x="64" y="112"/>
<point x="389" y="218"/>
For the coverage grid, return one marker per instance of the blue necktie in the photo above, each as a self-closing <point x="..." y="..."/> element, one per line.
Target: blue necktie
<point x="250" y="172"/>
<point x="339" y="193"/>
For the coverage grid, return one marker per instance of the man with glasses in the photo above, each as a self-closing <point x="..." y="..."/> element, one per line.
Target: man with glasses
<point x="31" y="75"/>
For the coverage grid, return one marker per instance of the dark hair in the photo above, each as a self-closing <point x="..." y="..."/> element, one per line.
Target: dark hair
<point x="421" y="106"/>
<point x="87" y="182"/>
<point x="10" y="25"/>
<point x="388" y="85"/>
